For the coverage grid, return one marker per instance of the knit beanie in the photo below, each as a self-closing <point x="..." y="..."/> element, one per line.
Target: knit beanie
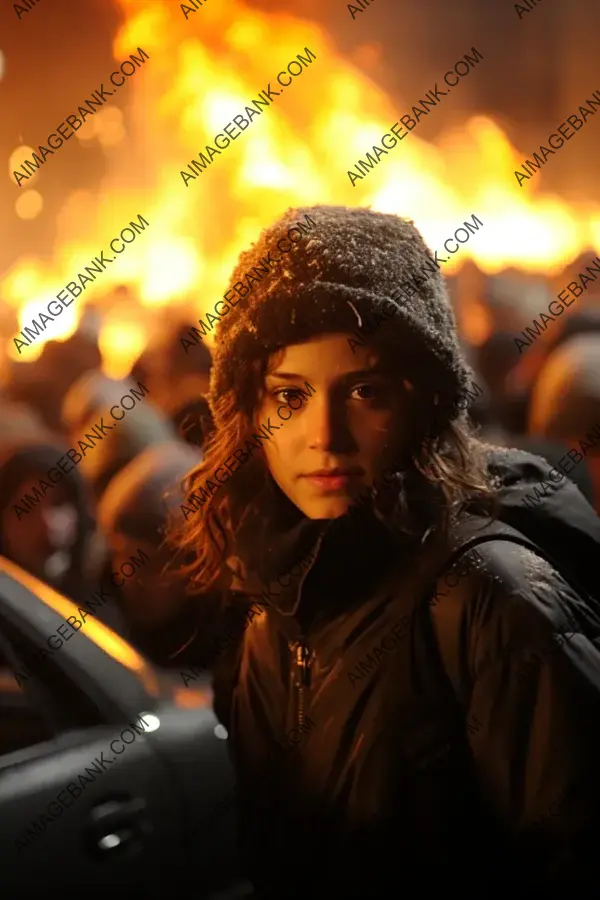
<point x="354" y="270"/>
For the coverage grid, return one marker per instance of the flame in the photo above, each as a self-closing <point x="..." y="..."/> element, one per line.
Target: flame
<point x="202" y="71"/>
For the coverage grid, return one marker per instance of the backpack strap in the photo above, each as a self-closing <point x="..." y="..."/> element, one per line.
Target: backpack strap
<point x="446" y="617"/>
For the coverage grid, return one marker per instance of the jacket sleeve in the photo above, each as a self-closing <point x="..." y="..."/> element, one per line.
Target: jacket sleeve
<point x="533" y="656"/>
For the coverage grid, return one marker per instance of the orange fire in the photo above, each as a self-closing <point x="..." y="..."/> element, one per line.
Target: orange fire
<point x="204" y="70"/>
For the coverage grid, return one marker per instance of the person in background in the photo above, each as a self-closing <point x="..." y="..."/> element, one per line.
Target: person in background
<point x="503" y="417"/>
<point x="93" y="392"/>
<point x="48" y="529"/>
<point x="29" y="385"/>
<point x="43" y="383"/>
<point x="65" y="362"/>
<point x="565" y="405"/>
<point x="142" y="369"/>
<point x="144" y="425"/>
<point x="523" y="376"/>
<point x="180" y="359"/>
<point x="187" y="405"/>
<point x="493" y="361"/>
<point x="586" y="321"/>
<point x="20" y="420"/>
<point x="490" y="430"/>
<point x="178" y="376"/>
<point x="160" y="618"/>
<point x="189" y="411"/>
<point x="430" y="761"/>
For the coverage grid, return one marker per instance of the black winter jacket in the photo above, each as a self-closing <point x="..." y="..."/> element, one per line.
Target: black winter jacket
<point x="359" y="771"/>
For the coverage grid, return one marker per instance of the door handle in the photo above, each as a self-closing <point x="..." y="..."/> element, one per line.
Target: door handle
<point x="117" y="822"/>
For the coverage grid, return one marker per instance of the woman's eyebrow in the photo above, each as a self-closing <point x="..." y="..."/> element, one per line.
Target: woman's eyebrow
<point x="355" y="373"/>
<point x="285" y="375"/>
<point x="364" y="373"/>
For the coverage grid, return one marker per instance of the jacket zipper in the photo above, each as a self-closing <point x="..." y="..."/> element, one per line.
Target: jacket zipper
<point x="301" y="654"/>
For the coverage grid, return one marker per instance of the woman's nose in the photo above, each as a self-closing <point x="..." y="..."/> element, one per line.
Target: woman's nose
<point x="328" y="428"/>
<point x="319" y="421"/>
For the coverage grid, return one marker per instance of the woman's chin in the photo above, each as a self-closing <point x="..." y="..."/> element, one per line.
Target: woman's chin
<point x="327" y="507"/>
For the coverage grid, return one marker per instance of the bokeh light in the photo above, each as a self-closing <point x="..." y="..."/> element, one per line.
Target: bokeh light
<point x="122" y="330"/>
<point x="29" y="205"/>
<point x="111" y="129"/>
<point x="87" y="132"/>
<point x="16" y="160"/>
<point x="107" y="127"/>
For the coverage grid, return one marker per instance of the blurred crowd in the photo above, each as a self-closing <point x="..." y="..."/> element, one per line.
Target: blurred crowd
<point x="113" y="504"/>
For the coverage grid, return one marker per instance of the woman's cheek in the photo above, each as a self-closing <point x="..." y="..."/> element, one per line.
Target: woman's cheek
<point x="373" y="429"/>
<point x="282" y="445"/>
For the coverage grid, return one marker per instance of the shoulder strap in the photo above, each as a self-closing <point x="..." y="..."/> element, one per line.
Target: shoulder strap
<point x="446" y="617"/>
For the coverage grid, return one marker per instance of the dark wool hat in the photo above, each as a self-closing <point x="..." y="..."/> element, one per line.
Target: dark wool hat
<point x="354" y="270"/>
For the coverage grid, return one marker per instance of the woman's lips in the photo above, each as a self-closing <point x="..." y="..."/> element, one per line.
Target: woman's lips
<point x="331" y="483"/>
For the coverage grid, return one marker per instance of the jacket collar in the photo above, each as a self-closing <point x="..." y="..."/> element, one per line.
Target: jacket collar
<point x="344" y="557"/>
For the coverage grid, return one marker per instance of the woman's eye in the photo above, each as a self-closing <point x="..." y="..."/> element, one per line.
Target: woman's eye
<point x="285" y="394"/>
<point x="364" y="392"/>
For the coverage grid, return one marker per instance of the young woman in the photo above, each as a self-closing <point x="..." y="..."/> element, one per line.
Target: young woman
<point x="341" y="437"/>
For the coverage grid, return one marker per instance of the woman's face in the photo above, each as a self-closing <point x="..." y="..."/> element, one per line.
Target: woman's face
<point x="342" y="436"/>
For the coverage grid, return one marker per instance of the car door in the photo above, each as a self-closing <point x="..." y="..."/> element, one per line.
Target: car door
<point x="100" y="800"/>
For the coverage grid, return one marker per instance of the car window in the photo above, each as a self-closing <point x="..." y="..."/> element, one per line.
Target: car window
<point x="21" y="724"/>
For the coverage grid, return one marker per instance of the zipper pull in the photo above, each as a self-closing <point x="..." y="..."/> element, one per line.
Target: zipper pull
<point x="303" y="663"/>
